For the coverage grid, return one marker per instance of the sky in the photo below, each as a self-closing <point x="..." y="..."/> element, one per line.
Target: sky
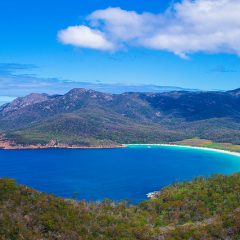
<point x="53" y="46"/>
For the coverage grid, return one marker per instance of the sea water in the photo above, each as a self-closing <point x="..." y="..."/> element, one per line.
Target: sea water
<point x="119" y="174"/>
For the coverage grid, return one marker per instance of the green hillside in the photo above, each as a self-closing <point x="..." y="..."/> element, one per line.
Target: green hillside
<point x="201" y="209"/>
<point x="87" y="118"/>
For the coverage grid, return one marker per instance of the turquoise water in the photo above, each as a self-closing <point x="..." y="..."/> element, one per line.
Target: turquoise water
<point x="95" y="174"/>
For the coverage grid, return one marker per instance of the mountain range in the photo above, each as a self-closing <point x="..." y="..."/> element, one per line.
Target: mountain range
<point x="89" y="118"/>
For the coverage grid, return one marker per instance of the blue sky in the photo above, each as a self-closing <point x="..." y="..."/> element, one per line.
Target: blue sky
<point x="55" y="44"/>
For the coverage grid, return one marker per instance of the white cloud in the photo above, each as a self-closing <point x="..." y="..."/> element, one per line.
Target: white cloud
<point x="123" y="25"/>
<point x="83" y="36"/>
<point x="191" y="26"/>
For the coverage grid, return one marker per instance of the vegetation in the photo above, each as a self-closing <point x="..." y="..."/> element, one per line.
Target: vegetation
<point x="86" y="117"/>
<point x="201" y="209"/>
<point x="209" y="144"/>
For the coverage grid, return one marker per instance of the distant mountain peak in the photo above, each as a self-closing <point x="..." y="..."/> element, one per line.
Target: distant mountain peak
<point x="84" y="116"/>
<point x="80" y="91"/>
<point x="31" y="98"/>
<point x="22" y="102"/>
<point x="77" y="93"/>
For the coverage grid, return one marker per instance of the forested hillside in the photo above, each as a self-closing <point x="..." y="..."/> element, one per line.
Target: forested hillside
<point x="87" y="118"/>
<point x="201" y="209"/>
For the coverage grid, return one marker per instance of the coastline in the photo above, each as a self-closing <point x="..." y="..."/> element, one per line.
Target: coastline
<point x="187" y="146"/>
<point x="5" y="145"/>
<point x="8" y="145"/>
<point x="155" y="194"/>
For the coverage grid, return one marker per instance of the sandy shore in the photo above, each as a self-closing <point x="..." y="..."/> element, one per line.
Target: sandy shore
<point x="155" y="194"/>
<point x="10" y="146"/>
<point x="17" y="147"/>
<point x="188" y="146"/>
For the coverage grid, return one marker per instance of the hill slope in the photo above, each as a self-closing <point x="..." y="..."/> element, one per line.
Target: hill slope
<point x="87" y="117"/>
<point x="202" y="209"/>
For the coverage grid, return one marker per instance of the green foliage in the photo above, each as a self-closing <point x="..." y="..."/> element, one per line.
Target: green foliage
<point x="89" y="118"/>
<point x="201" y="209"/>
<point x="209" y="144"/>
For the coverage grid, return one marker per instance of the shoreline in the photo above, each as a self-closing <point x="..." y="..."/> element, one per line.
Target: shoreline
<point x="5" y="145"/>
<point x="155" y="194"/>
<point x="189" y="147"/>
<point x="9" y="146"/>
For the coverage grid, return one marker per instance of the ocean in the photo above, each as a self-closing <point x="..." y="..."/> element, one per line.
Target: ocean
<point x="118" y="174"/>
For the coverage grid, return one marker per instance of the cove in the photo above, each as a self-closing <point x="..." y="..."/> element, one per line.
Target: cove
<point x="119" y="174"/>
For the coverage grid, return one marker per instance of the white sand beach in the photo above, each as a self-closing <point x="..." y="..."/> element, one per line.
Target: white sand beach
<point x="187" y="146"/>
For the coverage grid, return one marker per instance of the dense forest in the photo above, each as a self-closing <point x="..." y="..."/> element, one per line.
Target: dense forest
<point x="87" y="118"/>
<point x="201" y="209"/>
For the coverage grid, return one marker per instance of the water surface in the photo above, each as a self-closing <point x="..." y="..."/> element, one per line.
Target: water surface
<point x="95" y="174"/>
